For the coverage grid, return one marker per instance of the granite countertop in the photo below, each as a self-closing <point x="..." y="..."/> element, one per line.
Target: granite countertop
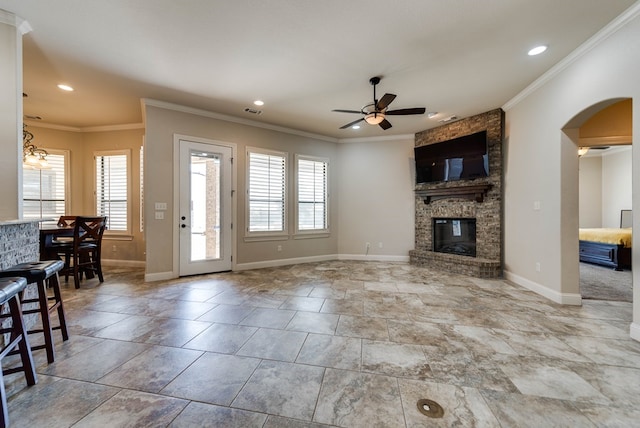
<point x="23" y="221"/>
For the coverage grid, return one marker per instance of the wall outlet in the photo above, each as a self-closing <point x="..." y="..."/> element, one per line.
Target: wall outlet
<point x="537" y="266"/>
<point x="279" y="248"/>
<point x="368" y="245"/>
<point x="379" y="244"/>
<point x="114" y="248"/>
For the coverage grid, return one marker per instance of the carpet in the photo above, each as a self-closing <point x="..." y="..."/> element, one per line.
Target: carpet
<point x="604" y="283"/>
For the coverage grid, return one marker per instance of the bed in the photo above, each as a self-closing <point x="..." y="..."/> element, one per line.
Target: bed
<point x="608" y="246"/>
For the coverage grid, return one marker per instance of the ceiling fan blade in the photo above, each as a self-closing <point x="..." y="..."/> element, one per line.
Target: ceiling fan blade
<point x="406" y="111"/>
<point x="385" y="101"/>
<point x="347" y="111"/>
<point x="349" y="125"/>
<point x="385" y="124"/>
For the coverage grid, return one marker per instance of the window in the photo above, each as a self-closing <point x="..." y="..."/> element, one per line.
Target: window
<point x="112" y="189"/>
<point x="312" y="194"/>
<point x="266" y="191"/>
<point x="44" y="191"/>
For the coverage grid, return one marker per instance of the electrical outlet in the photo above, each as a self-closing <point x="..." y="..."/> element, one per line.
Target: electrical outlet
<point x="537" y="266"/>
<point x="279" y="247"/>
<point x="379" y="244"/>
<point x="114" y="248"/>
<point x="368" y="245"/>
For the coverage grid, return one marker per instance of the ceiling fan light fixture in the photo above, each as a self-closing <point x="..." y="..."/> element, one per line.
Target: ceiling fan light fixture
<point x="374" y="118"/>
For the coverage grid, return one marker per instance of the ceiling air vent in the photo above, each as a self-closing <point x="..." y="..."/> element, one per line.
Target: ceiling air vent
<point x="252" y="110"/>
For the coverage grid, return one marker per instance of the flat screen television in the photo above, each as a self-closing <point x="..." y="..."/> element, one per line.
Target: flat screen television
<point x="462" y="158"/>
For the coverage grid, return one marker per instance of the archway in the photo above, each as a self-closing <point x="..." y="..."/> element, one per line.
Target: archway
<point x="605" y="124"/>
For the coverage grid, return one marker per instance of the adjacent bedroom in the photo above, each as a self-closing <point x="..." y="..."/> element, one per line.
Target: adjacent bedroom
<point x="605" y="224"/>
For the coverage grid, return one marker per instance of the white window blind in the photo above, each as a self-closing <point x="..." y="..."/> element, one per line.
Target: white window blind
<point x="44" y="190"/>
<point x="266" y="191"/>
<point x="312" y="194"/>
<point x="112" y="190"/>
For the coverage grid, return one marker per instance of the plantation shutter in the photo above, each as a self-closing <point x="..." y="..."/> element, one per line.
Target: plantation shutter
<point x="44" y="190"/>
<point x="111" y="190"/>
<point x="312" y="194"/>
<point x="266" y="192"/>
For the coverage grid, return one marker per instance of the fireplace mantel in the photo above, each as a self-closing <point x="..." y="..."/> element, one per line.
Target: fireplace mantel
<point x="475" y="192"/>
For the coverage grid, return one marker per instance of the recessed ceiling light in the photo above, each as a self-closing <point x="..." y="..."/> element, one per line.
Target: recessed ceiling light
<point x="259" y="102"/>
<point x="355" y="127"/>
<point x="65" y="87"/>
<point x="537" y="50"/>
<point x="432" y="114"/>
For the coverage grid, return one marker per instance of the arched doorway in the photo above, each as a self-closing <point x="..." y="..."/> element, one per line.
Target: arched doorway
<point x="604" y="192"/>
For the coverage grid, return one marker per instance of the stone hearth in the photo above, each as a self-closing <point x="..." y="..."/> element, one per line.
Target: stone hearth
<point x="479" y="199"/>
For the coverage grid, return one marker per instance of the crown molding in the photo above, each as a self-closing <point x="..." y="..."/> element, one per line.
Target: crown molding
<point x="378" y="139"/>
<point x="105" y="128"/>
<point x="613" y="140"/>
<point x="11" y="19"/>
<point x="604" y="33"/>
<point x="233" y="119"/>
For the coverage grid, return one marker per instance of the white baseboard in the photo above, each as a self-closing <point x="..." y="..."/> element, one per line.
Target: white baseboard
<point x="158" y="276"/>
<point x="324" y="258"/>
<point x="374" y="258"/>
<point x="634" y="331"/>
<point x="284" y="262"/>
<point x="123" y="263"/>
<point x="553" y="295"/>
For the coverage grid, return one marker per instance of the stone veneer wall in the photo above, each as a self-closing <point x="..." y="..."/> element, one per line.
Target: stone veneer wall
<point x="488" y="214"/>
<point x="19" y="243"/>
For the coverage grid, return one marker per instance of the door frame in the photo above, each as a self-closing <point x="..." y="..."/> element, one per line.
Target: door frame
<point x="175" y="216"/>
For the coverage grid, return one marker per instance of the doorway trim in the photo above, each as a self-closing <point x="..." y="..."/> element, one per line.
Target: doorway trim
<point x="175" y="218"/>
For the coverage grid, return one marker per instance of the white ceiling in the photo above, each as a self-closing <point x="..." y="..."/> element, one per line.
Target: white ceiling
<point x="303" y="58"/>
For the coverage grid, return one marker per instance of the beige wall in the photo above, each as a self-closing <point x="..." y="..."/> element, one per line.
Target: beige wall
<point x="605" y="188"/>
<point x="162" y="122"/>
<point x="377" y="180"/>
<point x="10" y="116"/>
<point x="82" y="145"/>
<point x="616" y="185"/>
<point x="542" y="164"/>
<point x="590" y="183"/>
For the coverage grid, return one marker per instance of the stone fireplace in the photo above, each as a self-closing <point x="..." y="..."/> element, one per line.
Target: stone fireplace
<point x="458" y="224"/>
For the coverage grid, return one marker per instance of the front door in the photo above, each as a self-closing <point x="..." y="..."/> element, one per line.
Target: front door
<point x="205" y="208"/>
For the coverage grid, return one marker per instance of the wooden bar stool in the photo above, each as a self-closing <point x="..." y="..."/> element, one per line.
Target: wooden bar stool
<point x="10" y="288"/>
<point x="44" y="273"/>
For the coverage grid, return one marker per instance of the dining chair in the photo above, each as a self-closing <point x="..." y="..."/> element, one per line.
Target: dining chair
<point x="83" y="254"/>
<point x="67" y="220"/>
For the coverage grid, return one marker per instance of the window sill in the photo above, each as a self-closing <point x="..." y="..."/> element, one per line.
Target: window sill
<point x="312" y="235"/>
<point x="262" y="238"/>
<point x="117" y="237"/>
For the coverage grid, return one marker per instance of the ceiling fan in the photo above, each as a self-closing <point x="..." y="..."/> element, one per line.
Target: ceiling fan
<point x="376" y="112"/>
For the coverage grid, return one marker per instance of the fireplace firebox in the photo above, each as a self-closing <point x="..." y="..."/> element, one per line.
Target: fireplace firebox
<point x="455" y="236"/>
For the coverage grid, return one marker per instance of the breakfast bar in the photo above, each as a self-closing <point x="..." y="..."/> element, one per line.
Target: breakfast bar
<point x="19" y="243"/>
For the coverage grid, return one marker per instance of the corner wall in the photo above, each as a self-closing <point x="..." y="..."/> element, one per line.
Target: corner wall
<point x="163" y="120"/>
<point x="541" y="162"/>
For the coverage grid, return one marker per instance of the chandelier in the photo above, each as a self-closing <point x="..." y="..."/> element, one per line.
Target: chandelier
<point x="32" y="157"/>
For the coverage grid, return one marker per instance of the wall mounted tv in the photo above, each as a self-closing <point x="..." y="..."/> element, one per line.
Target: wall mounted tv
<point x="463" y="158"/>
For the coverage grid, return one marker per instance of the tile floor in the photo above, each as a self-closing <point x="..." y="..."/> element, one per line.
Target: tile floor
<point x="350" y="344"/>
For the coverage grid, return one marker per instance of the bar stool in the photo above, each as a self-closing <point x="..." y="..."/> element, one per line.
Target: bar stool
<point x="10" y="288"/>
<point x="43" y="273"/>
